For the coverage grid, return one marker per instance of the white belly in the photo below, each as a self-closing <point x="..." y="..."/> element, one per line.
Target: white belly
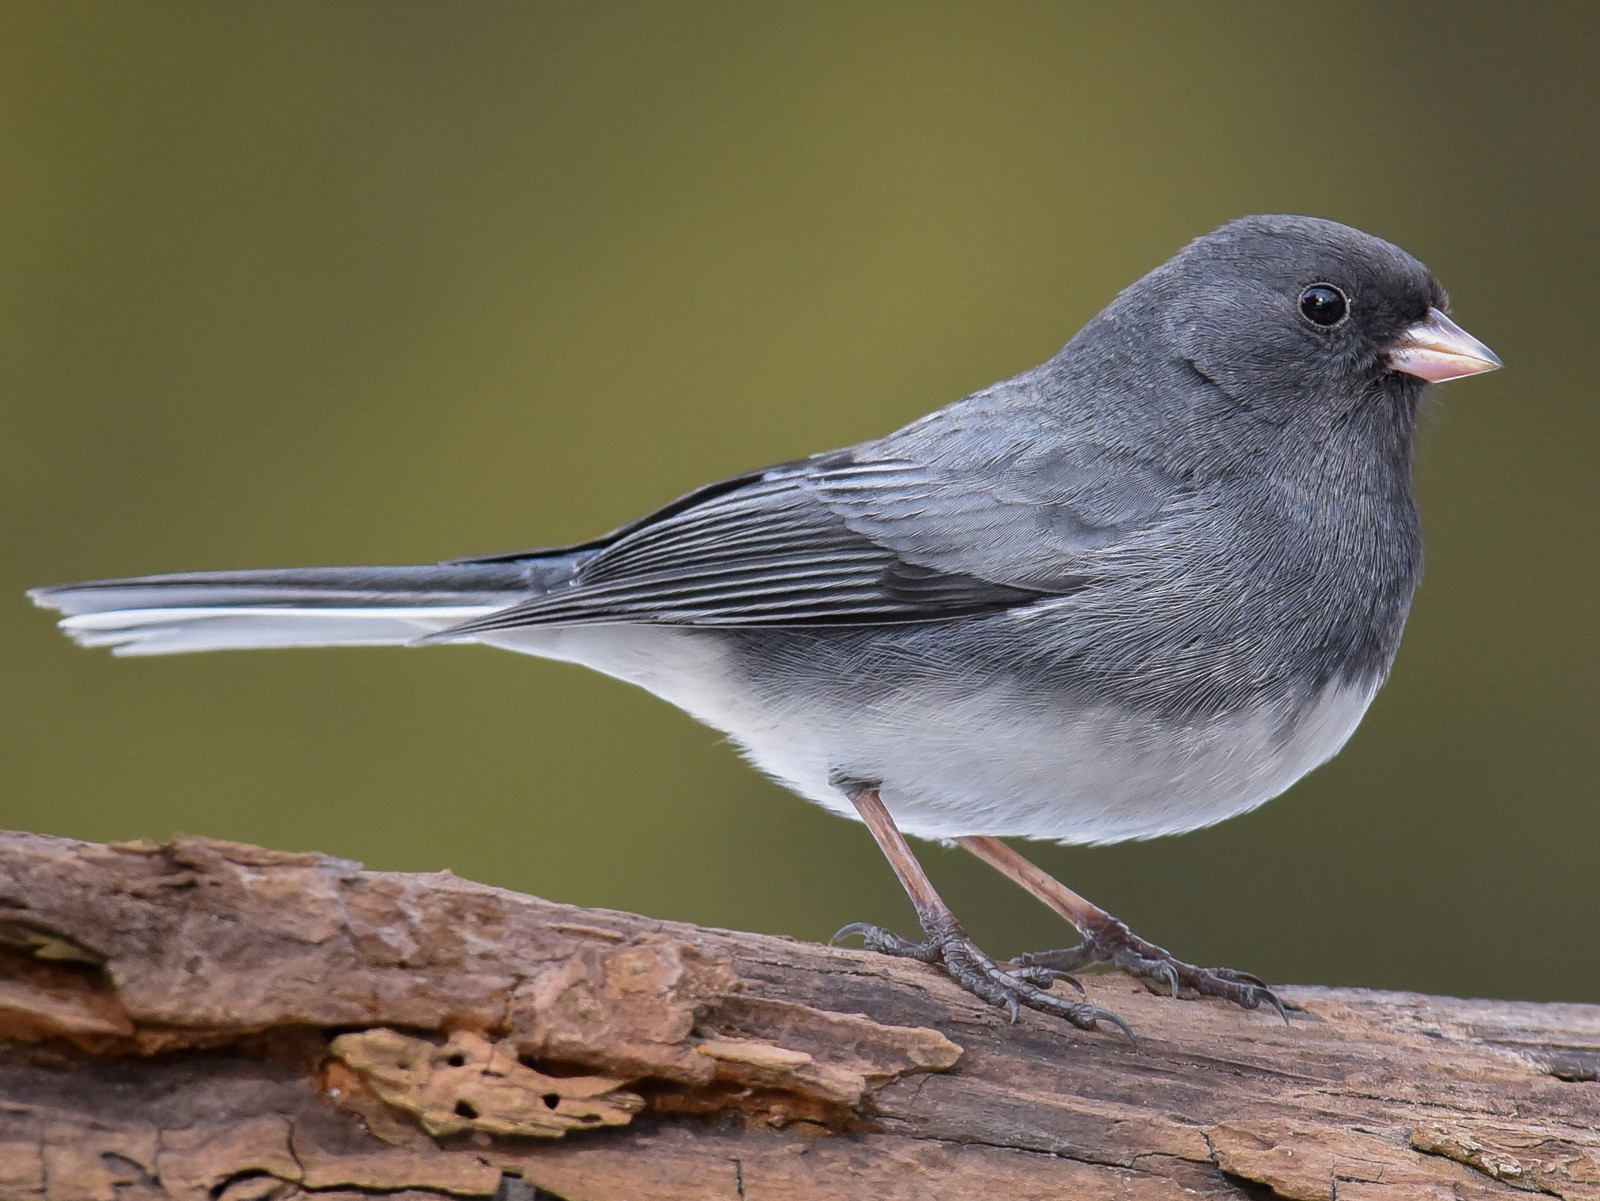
<point x="981" y="761"/>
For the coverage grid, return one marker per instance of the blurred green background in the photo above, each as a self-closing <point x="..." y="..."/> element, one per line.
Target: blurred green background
<point x="307" y="283"/>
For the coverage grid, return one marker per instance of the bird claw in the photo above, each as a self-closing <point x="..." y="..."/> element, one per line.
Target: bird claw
<point x="1005" y="987"/>
<point x="1158" y="970"/>
<point x="1043" y="977"/>
<point x="887" y="942"/>
<point x="854" y="928"/>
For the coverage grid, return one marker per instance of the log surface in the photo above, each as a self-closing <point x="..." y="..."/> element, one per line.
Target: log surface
<point x="217" y="1022"/>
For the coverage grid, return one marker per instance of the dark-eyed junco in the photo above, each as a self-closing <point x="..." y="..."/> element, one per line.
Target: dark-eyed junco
<point x="1136" y="590"/>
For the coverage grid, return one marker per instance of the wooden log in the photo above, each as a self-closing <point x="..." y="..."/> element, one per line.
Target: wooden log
<point x="216" y="1022"/>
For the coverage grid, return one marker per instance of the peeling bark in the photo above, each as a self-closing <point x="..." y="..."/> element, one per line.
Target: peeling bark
<point x="216" y="1022"/>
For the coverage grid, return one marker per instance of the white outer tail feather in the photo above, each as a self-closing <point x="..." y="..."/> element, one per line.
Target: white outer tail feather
<point x="236" y="627"/>
<point x="275" y="607"/>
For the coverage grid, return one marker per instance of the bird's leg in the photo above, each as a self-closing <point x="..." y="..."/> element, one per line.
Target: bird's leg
<point x="1107" y="940"/>
<point x="945" y="943"/>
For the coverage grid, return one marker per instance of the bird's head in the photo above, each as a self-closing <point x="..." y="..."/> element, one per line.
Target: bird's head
<point x="1292" y="315"/>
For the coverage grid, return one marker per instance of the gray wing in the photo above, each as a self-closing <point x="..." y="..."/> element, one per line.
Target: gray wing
<point x="937" y="522"/>
<point x="764" y="552"/>
<point x="1038" y="510"/>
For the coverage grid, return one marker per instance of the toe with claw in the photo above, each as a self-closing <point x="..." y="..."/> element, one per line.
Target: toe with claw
<point x="1009" y="987"/>
<point x="1113" y="943"/>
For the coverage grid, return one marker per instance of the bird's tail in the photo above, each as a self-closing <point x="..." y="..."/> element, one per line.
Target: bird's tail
<point x="306" y="606"/>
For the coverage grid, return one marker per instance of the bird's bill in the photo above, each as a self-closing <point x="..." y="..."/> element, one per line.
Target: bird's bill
<point x="1438" y="349"/>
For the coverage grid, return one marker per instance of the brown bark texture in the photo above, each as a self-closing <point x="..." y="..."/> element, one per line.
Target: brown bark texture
<point x="217" y="1022"/>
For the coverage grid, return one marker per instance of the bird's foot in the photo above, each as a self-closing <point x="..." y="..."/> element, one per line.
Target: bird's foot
<point x="945" y="944"/>
<point x="1158" y="970"/>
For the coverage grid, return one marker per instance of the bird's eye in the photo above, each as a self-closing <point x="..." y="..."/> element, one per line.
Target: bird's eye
<point x="1324" y="305"/>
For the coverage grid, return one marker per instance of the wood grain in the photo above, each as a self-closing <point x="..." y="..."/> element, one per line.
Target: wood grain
<point x="216" y="1022"/>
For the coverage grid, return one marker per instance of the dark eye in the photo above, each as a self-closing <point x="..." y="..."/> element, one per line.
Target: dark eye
<point x="1324" y="305"/>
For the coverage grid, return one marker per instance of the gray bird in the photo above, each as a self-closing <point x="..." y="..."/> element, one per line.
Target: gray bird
<point x="1136" y="590"/>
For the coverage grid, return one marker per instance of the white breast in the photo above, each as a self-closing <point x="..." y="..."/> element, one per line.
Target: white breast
<point x="985" y="761"/>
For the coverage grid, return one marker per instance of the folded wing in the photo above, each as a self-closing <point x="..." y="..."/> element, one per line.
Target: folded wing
<point x="857" y="538"/>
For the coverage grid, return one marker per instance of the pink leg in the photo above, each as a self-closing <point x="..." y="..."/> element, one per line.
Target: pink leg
<point x="946" y="944"/>
<point x="1106" y="940"/>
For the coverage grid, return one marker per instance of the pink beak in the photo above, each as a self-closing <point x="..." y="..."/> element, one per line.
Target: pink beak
<point x="1438" y="349"/>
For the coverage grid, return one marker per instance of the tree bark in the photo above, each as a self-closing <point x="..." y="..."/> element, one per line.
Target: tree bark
<point x="216" y="1022"/>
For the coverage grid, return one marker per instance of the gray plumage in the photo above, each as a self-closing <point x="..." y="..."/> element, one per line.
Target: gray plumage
<point x="1133" y="590"/>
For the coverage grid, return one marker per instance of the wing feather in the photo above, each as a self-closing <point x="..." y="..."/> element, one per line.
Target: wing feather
<point x="956" y="515"/>
<point x="767" y="553"/>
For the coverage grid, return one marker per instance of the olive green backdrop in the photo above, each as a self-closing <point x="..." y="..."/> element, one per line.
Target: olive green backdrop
<point x="326" y="283"/>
